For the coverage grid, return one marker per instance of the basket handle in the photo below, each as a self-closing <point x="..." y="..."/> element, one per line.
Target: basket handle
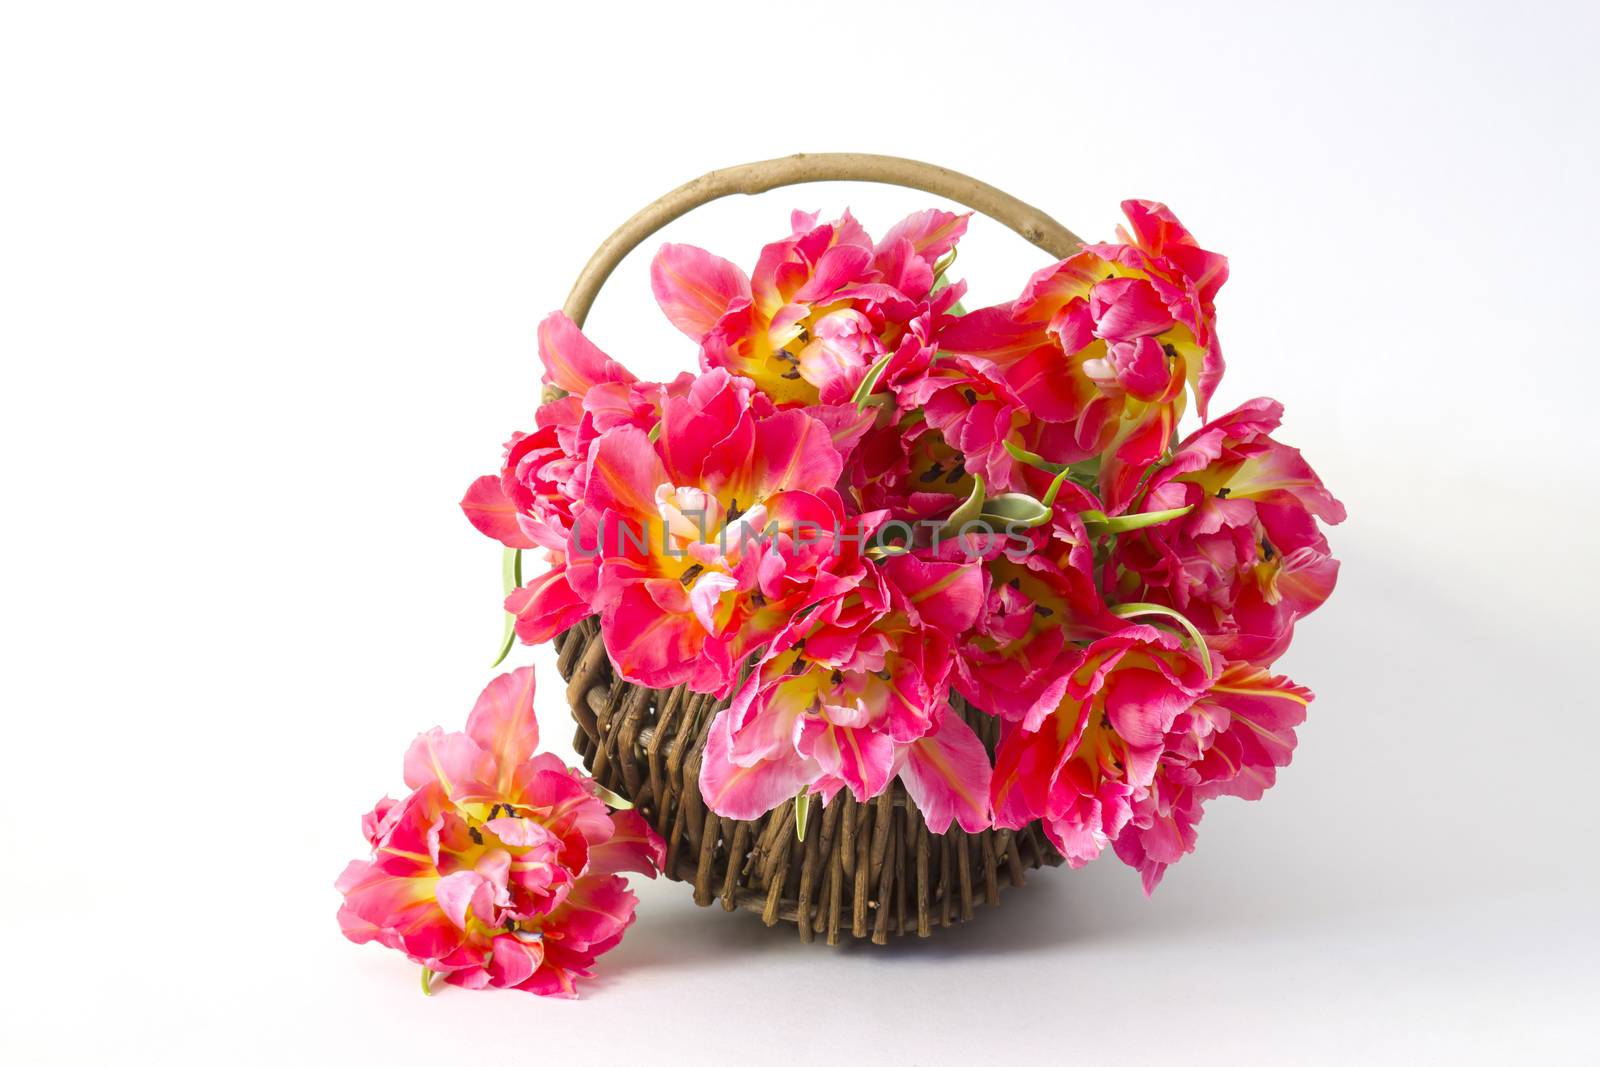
<point x="751" y="178"/>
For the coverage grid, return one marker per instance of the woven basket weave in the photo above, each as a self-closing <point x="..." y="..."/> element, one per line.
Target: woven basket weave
<point x="869" y="870"/>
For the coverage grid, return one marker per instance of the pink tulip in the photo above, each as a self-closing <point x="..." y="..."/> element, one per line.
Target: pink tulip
<point x="1042" y="602"/>
<point x="794" y="529"/>
<point x="500" y="868"/>
<point x="1229" y="742"/>
<point x="1095" y="754"/>
<point x="1014" y="661"/>
<point x="1105" y="343"/>
<point x="1248" y="559"/>
<point x="532" y="503"/>
<point x="854" y="695"/>
<point x="822" y="306"/>
<point x="695" y="547"/>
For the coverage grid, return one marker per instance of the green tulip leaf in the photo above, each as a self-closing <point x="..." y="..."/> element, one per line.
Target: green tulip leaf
<point x="613" y="800"/>
<point x="869" y="383"/>
<point x="510" y="581"/>
<point x="970" y="509"/>
<point x="1097" y="522"/>
<point x="1016" y="509"/>
<point x="802" y="806"/>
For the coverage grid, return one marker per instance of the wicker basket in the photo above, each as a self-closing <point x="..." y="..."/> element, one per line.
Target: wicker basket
<point x="869" y="870"/>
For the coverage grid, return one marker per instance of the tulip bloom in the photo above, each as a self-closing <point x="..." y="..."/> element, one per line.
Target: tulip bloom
<point x="500" y="868"/>
<point x="823" y="305"/>
<point x="695" y="547"/>
<point x="1092" y="757"/>
<point x="1229" y="742"/>
<point x="1105" y="342"/>
<point x="868" y="499"/>
<point x="530" y="504"/>
<point x="854" y="695"/>
<point x="1248" y="559"/>
<point x="1013" y="660"/>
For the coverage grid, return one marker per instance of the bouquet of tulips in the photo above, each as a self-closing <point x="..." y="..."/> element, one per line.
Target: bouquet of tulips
<point x="870" y="499"/>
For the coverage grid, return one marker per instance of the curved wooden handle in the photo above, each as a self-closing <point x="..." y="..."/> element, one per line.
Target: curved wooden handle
<point x="750" y="178"/>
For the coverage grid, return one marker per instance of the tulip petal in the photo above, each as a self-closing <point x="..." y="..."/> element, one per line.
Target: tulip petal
<point x="514" y="961"/>
<point x="635" y="846"/>
<point x="863" y="759"/>
<point x="932" y="232"/>
<point x="1025" y="765"/>
<point x="794" y="451"/>
<point x="571" y="360"/>
<point x="624" y="473"/>
<point x="708" y="589"/>
<point x="739" y="792"/>
<point x="1141" y="704"/>
<point x="1263" y="710"/>
<point x="404" y="910"/>
<point x="596" y="911"/>
<point x="650" y="646"/>
<point x="457" y="762"/>
<point x="466" y="894"/>
<point x="546" y="606"/>
<point x="489" y="510"/>
<point x="502" y="721"/>
<point x="695" y="288"/>
<point x="947" y="774"/>
<point x="946" y="596"/>
<point x="1128" y="308"/>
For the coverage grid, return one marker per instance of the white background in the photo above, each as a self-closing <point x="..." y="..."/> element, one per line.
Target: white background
<point x="268" y="281"/>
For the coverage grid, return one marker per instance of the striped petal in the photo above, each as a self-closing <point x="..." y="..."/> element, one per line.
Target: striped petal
<point x="695" y="288"/>
<point x="1262" y="711"/>
<point x="460" y="765"/>
<point x="735" y="791"/>
<point x="634" y="846"/>
<point x="571" y="360"/>
<point x="503" y="723"/>
<point x="624" y="473"/>
<point x="546" y="606"/>
<point x="491" y="512"/>
<point x="947" y="774"/>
